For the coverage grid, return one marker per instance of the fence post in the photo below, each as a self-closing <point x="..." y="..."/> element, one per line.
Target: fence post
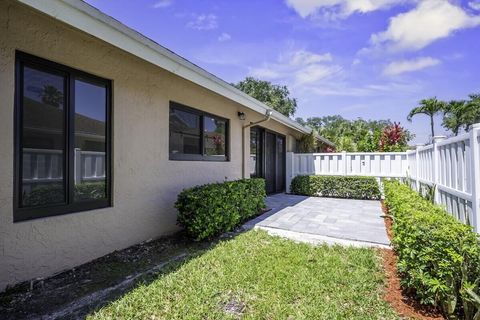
<point x="344" y="162"/>
<point x="436" y="167"/>
<point x="475" y="160"/>
<point x="290" y="174"/>
<point x="417" y="167"/>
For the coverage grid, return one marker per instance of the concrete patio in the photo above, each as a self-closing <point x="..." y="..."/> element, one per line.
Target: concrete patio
<point x="324" y="220"/>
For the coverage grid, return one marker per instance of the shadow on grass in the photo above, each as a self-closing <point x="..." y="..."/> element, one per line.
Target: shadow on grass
<point x="75" y="293"/>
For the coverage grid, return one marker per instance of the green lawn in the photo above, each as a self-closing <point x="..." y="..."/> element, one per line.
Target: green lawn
<point x="257" y="276"/>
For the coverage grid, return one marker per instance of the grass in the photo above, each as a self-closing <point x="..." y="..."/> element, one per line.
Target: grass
<point x="257" y="276"/>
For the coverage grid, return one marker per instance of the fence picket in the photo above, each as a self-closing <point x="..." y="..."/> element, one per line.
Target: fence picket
<point x="453" y="165"/>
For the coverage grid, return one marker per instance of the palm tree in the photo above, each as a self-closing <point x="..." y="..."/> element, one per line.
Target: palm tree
<point x="51" y="95"/>
<point x="453" y="115"/>
<point x="429" y="107"/>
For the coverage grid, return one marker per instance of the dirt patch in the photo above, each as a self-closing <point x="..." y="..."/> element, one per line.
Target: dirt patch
<point x="388" y="221"/>
<point x="234" y="307"/>
<point x="403" y="304"/>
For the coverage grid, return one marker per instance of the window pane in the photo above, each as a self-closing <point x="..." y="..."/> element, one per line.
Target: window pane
<point x="43" y="138"/>
<point x="90" y="142"/>
<point x="184" y="132"/>
<point x="214" y="135"/>
<point x="253" y="152"/>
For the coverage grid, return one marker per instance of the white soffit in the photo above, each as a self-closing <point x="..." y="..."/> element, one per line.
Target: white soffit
<point x="86" y="18"/>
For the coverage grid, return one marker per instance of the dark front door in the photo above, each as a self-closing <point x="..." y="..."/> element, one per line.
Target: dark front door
<point x="267" y="154"/>
<point x="270" y="162"/>
<point x="280" y="166"/>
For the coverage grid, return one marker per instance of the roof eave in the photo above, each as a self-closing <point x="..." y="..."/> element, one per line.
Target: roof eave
<point x="87" y="18"/>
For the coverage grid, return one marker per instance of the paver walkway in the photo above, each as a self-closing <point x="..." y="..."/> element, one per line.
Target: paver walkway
<point x="313" y="219"/>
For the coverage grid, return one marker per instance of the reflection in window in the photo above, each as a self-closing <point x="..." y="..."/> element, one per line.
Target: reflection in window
<point x="184" y="132"/>
<point x="90" y="143"/>
<point x="195" y="135"/>
<point x="43" y="138"/>
<point x="52" y="170"/>
<point x="254" y="148"/>
<point x="214" y="135"/>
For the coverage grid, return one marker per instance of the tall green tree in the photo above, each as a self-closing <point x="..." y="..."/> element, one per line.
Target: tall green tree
<point x="429" y="107"/>
<point x="275" y="96"/>
<point x="462" y="114"/>
<point x="353" y="135"/>
<point x="472" y="114"/>
<point x="453" y="118"/>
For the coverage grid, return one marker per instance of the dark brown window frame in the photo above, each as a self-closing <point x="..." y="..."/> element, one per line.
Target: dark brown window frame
<point x="202" y="156"/>
<point x="27" y="213"/>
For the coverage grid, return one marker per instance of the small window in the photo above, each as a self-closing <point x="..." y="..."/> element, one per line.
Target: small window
<point x="62" y="155"/>
<point x="195" y="135"/>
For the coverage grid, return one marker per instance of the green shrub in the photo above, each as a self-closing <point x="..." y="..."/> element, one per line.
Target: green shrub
<point x="90" y="191"/>
<point x="336" y="186"/>
<point x="439" y="257"/>
<point x="208" y="210"/>
<point x="44" y="195"/>
<point x="55" y="193"/>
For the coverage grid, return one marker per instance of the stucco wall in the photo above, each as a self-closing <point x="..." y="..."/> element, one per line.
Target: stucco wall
<point x="146" y="183"/>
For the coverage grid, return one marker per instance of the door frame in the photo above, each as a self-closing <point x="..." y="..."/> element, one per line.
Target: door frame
<point x="263" y="164"/>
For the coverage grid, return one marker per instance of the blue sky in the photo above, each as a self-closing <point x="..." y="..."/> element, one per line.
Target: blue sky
<point x="373" y="59"/>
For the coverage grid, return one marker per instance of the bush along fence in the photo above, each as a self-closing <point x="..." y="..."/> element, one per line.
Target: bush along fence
<point x="438" y="257"/>
<point x="338" y="187"/>
<point x="450" y="167"/>
<point x="209" y="210"/>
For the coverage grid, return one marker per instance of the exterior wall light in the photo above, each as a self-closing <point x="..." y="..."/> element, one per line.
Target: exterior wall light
<point x="241" y="115"/>
<point x="268" y="113"/>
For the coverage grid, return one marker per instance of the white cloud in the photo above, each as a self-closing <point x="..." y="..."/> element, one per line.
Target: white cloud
<point x="203" y="22"/>
<point x="297" y="68"/>
<point x="314" y="73"/>
<point x="224" y="37"/>
<point x="403" y="66"/>
<point x="339" y="8"/>
<point x="345" y="89"/>
<point x="303" y="57"/>
<point x="163" y="4"/>
<point x="475" y="5"/>
<point x="431" y="20"/>
<point x="356" y="62"/>
<point x="265" y="73"/>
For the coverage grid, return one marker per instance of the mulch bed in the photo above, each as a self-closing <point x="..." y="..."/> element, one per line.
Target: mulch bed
<point x="403" y="304"/>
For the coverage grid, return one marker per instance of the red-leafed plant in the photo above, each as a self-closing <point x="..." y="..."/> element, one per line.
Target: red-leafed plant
<point x="394" y="138"/>
<point x="330" y="149"/>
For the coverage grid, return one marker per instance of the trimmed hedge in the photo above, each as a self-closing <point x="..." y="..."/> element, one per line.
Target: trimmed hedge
<point x="54" y="193"/>
<point x="208" y="210"/>
<point x="336" y="186"/>
<point x="438" y="257"/>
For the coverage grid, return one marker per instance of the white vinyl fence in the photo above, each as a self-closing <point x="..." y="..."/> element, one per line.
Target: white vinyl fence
<point x="451" y="166"/>
<point x="42" y="166"/>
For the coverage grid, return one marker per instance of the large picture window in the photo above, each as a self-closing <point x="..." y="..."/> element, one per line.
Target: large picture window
<point x="195" y="135"/>
<point x="62" y="147"/>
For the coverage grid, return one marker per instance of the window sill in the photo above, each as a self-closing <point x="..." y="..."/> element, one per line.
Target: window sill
<point x="25" y="214"/>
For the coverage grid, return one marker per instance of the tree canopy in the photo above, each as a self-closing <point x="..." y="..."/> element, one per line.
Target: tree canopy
<point x="275" y="96"/>
<point x="360" y="135"/>
<point x="429" y="107"/>
<point x="458" y="115"/>
<point x="461" y="114"/>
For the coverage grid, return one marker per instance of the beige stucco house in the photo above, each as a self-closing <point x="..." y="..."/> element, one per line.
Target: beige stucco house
<point x="100" y="128"/>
